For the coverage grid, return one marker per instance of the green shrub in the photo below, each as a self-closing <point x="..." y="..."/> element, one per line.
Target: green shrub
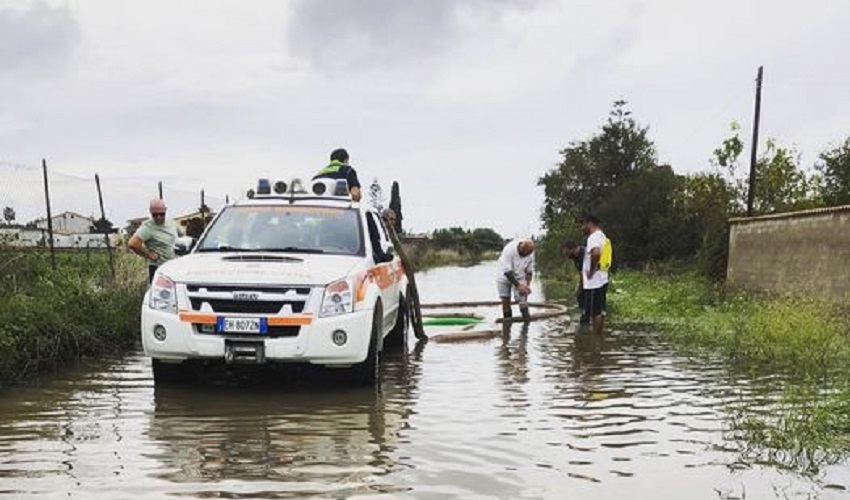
<point x="48" y="317"/>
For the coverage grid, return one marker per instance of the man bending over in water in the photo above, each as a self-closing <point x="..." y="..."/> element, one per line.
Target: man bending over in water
<point x="516" y="267"/>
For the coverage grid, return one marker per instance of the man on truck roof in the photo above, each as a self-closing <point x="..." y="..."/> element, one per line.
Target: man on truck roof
<point x="339" y="168"/>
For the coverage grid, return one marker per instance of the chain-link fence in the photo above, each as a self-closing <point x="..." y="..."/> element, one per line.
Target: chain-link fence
<point x="45" y="210"/>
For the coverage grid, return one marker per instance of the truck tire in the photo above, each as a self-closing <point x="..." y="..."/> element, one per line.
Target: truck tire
<point x="169" y="373"/>
<point x="368" y="372"/>
<point x="397" y="338"/>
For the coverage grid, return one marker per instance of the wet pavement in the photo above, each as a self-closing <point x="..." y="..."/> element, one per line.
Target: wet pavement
<point x="543" y="412"/>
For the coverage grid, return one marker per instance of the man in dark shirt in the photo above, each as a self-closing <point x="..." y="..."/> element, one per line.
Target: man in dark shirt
<point x="575" y="253"/>
<point x="339" y="168"/>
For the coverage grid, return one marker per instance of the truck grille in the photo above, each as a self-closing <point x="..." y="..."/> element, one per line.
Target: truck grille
<point x="264" y="299"/>
<point x="242" y="306"/>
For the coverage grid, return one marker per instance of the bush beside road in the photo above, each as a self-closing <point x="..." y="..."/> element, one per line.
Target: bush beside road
<point x="49" y="317"/>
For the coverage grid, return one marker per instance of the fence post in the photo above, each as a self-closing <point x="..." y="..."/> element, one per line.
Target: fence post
<point x="49" y="215"/>
<point x="105" y="230"/>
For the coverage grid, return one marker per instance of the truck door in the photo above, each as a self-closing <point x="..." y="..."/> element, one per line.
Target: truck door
<point x="386" y="269"/>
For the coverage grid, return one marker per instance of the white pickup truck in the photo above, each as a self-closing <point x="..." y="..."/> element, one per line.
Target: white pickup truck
<point x="295" y="273"/>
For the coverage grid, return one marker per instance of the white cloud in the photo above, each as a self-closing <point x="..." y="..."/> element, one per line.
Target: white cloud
<point x="466" y="102"/>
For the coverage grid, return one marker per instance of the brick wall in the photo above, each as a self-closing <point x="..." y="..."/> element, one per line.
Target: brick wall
<point x="802" y="253"/>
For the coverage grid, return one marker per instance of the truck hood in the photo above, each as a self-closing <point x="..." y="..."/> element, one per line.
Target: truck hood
<point x="259" y="268"/>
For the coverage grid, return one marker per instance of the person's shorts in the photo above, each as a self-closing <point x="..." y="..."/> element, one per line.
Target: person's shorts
<point x="506" y="290"/>
<point x="595" y="300"/>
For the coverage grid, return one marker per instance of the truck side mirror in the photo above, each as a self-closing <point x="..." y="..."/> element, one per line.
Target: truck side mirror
<point x="183" y="245"/>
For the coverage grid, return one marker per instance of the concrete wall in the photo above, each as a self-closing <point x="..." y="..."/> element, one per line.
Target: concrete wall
<point x="802" y="253"/>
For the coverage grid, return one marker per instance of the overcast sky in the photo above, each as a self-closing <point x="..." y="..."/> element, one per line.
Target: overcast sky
<point x="464" y="102"/>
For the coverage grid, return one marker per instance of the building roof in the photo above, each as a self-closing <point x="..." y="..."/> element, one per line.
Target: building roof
<point x="66" y="212"/>
<point x="790" y="215"/>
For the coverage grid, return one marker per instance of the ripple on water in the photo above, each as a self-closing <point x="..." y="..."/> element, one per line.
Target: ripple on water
<point x="541" y="413"/>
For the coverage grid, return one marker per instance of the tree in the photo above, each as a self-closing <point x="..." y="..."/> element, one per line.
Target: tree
<point x="395" y="205"/>
<point x="487" y="239"/>
<point x="102" y="226"/>
<point x="834" y="166"/>
<point x="9" y="215"/>
<point x="726" y="160"/>
<point x="376" y="195"/>
<point x="781" y="185"/>
<point x="705" y="201"/>
<point x="611" y="173"/>
<point x="591" y="169"/>
<point x="195" y="227"/>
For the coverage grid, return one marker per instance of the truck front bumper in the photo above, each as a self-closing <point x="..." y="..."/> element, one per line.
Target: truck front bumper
<point x="313" y="344"/>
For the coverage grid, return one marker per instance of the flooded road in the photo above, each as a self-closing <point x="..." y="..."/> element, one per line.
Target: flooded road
<point x="543" y="413"/>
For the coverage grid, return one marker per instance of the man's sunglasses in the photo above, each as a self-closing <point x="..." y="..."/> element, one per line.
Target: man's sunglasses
<point x="158" y="214"/>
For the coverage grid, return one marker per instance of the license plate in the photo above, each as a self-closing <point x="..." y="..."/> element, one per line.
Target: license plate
<point x="242" y="325"/>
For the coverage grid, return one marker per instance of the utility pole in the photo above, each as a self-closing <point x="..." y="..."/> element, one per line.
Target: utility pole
<point x="105" y="231"/>
<point x="751" y="189"/>
<point x="49" y="214"/>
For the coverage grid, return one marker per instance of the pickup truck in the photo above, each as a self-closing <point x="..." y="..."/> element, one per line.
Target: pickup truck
<point x="294" y="273"/>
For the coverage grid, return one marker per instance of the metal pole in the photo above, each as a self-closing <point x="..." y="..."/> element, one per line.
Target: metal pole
<point x="751" y="189"/>
<point x="105" y="231"/>
<point x="160" y="190"/>
<point x="49" y="215"/>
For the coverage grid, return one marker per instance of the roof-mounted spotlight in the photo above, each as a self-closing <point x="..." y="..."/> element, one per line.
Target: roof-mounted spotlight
<point x="320" y="188"/>
<point x="280" y="187"/>
<point x="263" y="187"/>
<point x="341" y="188"/>
<point x="250" y="193"/>
<point x="297" y="187"/>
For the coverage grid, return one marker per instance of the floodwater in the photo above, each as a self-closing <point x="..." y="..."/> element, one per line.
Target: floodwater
<point x="542" y="413"/>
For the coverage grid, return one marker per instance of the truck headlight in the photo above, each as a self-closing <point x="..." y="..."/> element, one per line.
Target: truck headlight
<point x="338" y="299"/>
<point x="163" y="295"/>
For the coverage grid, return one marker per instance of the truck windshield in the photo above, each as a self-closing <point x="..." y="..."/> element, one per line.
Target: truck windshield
<point x="285" y="229"/>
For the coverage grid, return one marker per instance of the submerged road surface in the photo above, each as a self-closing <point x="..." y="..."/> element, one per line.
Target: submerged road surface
<point x="543" y="413"/>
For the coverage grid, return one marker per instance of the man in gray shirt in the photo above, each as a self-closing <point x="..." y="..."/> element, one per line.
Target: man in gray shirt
<point x="154" y="240"/>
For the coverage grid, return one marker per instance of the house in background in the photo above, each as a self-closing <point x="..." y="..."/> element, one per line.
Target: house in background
<point x="67" y="223"/>
<point x="70" y="231"/>
<point x="22" y="236"/>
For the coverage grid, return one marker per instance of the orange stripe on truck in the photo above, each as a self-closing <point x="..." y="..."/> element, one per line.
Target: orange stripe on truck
<point x="383" y="275"/>
<point x="302" y="320"/>
<point x="211" y="319"/>
<point x="200" y="318"/>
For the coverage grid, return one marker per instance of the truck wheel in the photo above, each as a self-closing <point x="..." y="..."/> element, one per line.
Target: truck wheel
<point x="169" y="373"/>
<point x="367" y="372"/>
<point x="398" y="335"/>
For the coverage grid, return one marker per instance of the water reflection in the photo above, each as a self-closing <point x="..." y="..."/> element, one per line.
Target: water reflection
<point x="313" y="439"/>
<point x="512" y="354"/>
<point x="540" y="412"/>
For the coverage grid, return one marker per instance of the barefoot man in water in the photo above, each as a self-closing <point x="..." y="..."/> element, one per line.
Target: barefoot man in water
<point x="516" y="266"/>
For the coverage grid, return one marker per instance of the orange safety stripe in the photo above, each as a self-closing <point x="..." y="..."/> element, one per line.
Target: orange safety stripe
<point x="383" y="275"/>
<point x="211" y="319"/>
<point x="302" y="320"/>
<point x="200" y="318"/>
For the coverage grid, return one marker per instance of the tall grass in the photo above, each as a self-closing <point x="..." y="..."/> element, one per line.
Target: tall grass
<point x="805" y="341"/>
<point x="427" y="257"/>
<point x="803" y="337"/>
<point x="52" y="316"/>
